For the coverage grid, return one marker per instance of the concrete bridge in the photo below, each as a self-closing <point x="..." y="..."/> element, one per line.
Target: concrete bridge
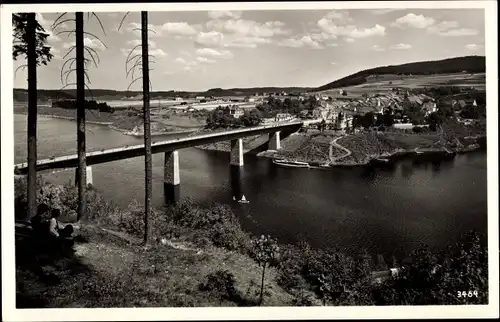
<point x="170" y="149"/>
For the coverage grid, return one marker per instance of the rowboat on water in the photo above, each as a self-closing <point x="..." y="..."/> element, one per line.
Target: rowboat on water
<point x="291" y="164"/>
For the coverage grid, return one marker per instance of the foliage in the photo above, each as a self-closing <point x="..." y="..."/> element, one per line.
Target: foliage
<point x="20" y="35"/>
<point x="265" y="251"/>
<point x="220" y="284"/>
<point x="90" y="105"/>
<point x="289" y="105"/>
<point x="221" y="118"/>
<point x="437" y="278"/>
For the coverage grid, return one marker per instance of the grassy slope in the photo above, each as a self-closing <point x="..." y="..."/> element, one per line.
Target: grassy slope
<point x="113" y="270"/>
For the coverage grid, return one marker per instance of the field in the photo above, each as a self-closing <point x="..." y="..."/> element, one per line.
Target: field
<point x="384" y="83"/>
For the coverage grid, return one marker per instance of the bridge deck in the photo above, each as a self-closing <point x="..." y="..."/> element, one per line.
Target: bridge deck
<point x="120" y="153"/>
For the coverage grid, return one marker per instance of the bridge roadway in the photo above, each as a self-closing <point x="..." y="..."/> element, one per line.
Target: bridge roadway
<point x="126" y="152"/>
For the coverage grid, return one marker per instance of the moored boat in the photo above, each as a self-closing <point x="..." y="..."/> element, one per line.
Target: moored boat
<point x="291" y="164"/>
<point x="243" y="200"/>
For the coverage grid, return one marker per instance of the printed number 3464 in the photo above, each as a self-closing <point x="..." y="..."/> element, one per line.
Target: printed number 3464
<point x="467" y="294"/>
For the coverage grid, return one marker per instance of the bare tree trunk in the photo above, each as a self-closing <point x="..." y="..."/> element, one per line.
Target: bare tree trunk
<point x="147" y="122"/>
<point x="80" y="114"/>
<point x="32" y="114"/>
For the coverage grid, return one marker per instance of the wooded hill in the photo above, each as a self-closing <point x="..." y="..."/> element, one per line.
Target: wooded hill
<point x="471" y="64"/>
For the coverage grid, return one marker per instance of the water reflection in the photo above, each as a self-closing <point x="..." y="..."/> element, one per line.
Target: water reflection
<point x="236" y="178"/>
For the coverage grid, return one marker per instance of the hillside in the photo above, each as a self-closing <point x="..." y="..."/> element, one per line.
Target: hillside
<point x="471" y="64"/>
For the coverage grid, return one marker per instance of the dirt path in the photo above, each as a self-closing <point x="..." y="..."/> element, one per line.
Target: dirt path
<point x="335" y="144"/>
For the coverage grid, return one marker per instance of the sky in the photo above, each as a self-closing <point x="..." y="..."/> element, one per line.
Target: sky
<point x="199" y="50"/>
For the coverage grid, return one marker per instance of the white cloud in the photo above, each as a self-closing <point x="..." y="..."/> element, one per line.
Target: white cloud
<point x="214" y="53"/>
<point x="205" y="60"/>
<point x="246" y="42"/>
<point x="224" y="14"/>
<point x="451" y="29"/>
<point x="211" y="38"/>
<point x="336" y="24"/>
<point x="349" y="40"/>
<point x="248" y="28"/>
<point x="43" y="21"/>
<point x="89" y="42"/>
<point x="180" y="60"/>
<point x="179" y="28"/>
<point x="52" y="37"/>
<point x="459" y="32"/>
<point x="333" y="63"/>
<point x="401" y="46"/>
<point x="377" y="48"/>
<point x="137" y="42"/>
<point x="377" y="30"/>
<point x="473" y="47"/>
<point x="158" y="53"/>
<point x="332" y="45"/>
<point x="414" y="21"/>
<point x="384" y="11"/>
<point x="305" y="41"/>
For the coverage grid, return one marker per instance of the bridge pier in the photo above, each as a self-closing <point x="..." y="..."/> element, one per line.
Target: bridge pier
<point x="236" y="156"/>
<point x="171" y="182"/>
<point x="88" y="178"/>
<point x="274" y="141"/>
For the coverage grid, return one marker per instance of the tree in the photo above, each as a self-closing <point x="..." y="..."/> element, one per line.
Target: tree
<point x="30" y="41"/>
<point x="266" y="254"/>
<point x="80" y="113"/>
<point x="147" y="122"/>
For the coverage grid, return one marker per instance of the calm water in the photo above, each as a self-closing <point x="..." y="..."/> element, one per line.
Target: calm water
<point x="386" y="211"/>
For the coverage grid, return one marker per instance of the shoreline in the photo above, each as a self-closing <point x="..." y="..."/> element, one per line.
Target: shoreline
<point x="111" y="126"/>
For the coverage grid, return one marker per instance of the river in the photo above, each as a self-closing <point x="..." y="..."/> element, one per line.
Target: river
<point x="384" y="211"/>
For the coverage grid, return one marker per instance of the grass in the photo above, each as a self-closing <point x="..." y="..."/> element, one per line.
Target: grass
<point x="112" y="271"/>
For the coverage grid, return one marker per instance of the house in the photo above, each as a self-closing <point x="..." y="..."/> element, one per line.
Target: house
<point x="179" y="98"/>
<point x="429" y="107"/>
<point x="281" y="117"/>
<point x="200" y="97"/>
<point x="235" y="112"/>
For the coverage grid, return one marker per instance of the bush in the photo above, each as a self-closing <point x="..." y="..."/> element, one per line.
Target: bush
<point x="220" y="284"/>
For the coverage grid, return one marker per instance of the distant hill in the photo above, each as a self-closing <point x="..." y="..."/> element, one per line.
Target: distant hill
<point x="21" y="95"/>
<point x="471" y="64"/>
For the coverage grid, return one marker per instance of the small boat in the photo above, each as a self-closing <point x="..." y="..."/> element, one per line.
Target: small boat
<point x="243" y="200"/>
<point x="291" y="164"/>
<point x="382" y="160"/>
<point x="418" y="152"/>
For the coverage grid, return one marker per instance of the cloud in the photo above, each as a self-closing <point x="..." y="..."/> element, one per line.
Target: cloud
<point x="377" y="48"/>
<point x="304" y="41"/>
<point x="248" y="28"/>
<point x="451" y="29"/>
<point x="208" y="39"/>
<point x="179" y="28"/>
<point x="246" y="42"/>
<point x="401" y="46"/>
<point x="337" y="24"/>
<point x="384" y="11"/>
<point x="52" y="37"/>
<point x="333" y="63"/>
<point x="414" y="21"/>
<point x="473" y="47"/>
<point x="349" y="40"/>
<point x="224" y="14"/>
<point x="214" y="53"/>
<point x="158" y="53"/>
<point x="459" y="32"/>
<point x="332" y="45"/>
<point x="205" y="60"/>
<point x="43" y="21"/>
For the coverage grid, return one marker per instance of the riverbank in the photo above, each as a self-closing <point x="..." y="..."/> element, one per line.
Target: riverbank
<point x="122" y="122"/>
<point x="199" y="256"/>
